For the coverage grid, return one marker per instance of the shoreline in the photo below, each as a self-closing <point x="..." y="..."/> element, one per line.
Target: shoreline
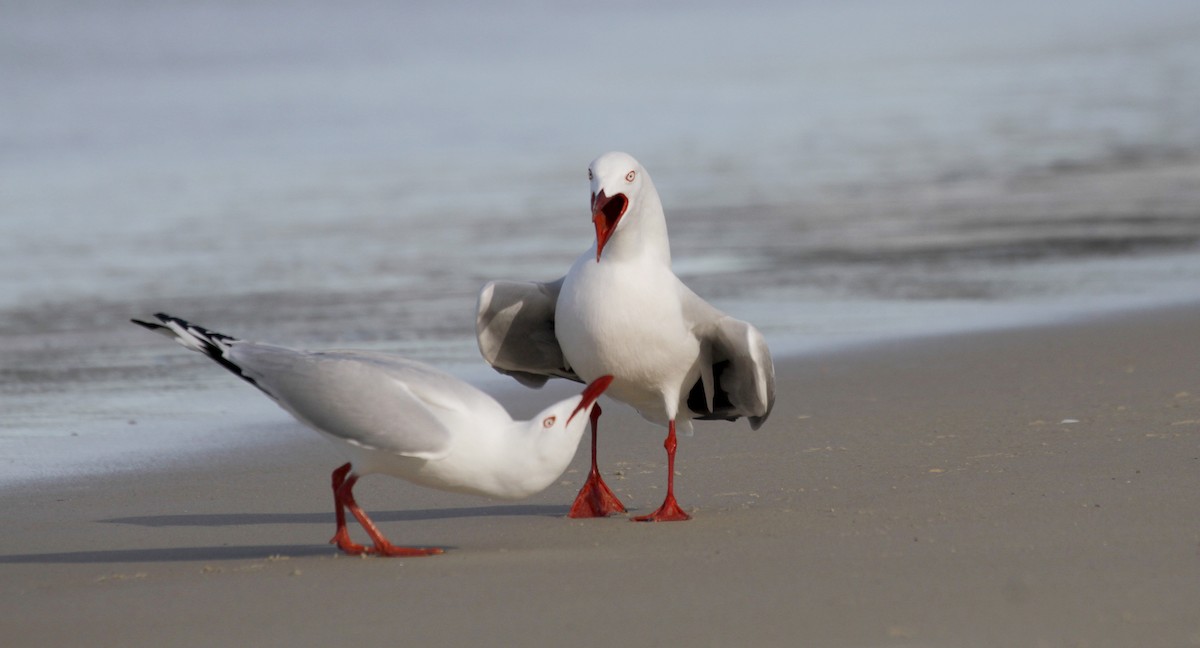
<point x="1033" y="484"/>
<point x="187" y="430"/>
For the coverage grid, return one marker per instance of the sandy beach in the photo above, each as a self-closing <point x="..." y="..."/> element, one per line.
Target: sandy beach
<point x="1027" y="487"/>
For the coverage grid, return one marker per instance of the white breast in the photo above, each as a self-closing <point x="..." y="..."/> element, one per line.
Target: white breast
<point x="626" y="319"/>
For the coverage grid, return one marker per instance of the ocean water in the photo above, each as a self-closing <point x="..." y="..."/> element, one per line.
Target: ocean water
<point x="349" y="174"/>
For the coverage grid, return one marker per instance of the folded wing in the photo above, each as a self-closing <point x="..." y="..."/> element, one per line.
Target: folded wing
<point x="370" y="400"/>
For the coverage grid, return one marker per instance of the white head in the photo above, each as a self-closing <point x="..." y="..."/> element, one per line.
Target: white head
<point x="552" y="438"/>
<point x="624" y="198"/>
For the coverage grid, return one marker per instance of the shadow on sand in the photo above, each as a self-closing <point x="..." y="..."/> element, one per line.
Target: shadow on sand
<point x="260" y="552"/>
<point x="241" y="519"/>
<point x="172" y="554"/>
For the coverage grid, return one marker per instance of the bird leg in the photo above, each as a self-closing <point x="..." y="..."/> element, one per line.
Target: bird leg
<point x="669" y="511"/>
<point x="595" y="499"/>
<point x="342" y="537"/>
<point x="343" y="496"/>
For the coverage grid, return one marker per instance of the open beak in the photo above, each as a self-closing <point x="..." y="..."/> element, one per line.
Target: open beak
<point x="590" y="394"/>
<point x="606" y="212"/>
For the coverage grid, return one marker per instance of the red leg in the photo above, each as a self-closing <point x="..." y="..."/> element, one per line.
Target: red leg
<point x="344" y="497"/>
<point x="669" y="511"/>
<point x="342" y="537"/>
<point x="595" y="499"/>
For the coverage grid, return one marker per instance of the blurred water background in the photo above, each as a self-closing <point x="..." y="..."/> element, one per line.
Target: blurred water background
<point x="350" y="173"/>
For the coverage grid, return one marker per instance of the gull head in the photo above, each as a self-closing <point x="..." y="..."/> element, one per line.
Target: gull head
<point x="617" y="182"/>
<point x="547" y="443"/>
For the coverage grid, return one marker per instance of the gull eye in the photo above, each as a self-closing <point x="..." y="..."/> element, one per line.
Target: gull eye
<point x="589" y="174"/>
<point x="630" y="176"/>
<point x="548" y="422"/>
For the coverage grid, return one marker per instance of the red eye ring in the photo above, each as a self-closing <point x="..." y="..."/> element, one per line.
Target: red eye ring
<point x="630" y="176"/>
<point x="548" y="422"/>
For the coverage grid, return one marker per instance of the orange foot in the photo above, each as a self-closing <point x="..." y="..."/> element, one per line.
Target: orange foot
<point x="392" y="551"/>
<point x="343" y="542"/>
<point x="595" y="499"/>
<point x="668" y="512"/>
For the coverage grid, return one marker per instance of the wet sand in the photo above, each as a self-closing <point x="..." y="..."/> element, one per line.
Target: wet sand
<point x="1024" y="487"/>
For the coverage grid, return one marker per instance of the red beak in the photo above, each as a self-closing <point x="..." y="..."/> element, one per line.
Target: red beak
<point x="606" y="212"/>
<point x="590" y="394"/>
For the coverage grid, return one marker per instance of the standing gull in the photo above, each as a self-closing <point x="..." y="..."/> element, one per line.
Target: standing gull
<point x="399" y="417"/>
<point x="621" y="311"/>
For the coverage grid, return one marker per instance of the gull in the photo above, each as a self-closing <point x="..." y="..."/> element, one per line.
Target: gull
<point x="392" y="415"/>
<point x="621" y="311"/>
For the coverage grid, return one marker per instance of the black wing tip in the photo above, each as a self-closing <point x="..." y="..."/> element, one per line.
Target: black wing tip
<point x="163" y="318"/>
<point x="208" y="342"/>
<point x="166" y="318"/>
<point x="144" y="324"/>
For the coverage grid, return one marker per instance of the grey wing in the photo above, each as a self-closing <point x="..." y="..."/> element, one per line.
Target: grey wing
<point x="364" y="403"/>
<point x="737" y="377"/>
<point x="514" y="325"/>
